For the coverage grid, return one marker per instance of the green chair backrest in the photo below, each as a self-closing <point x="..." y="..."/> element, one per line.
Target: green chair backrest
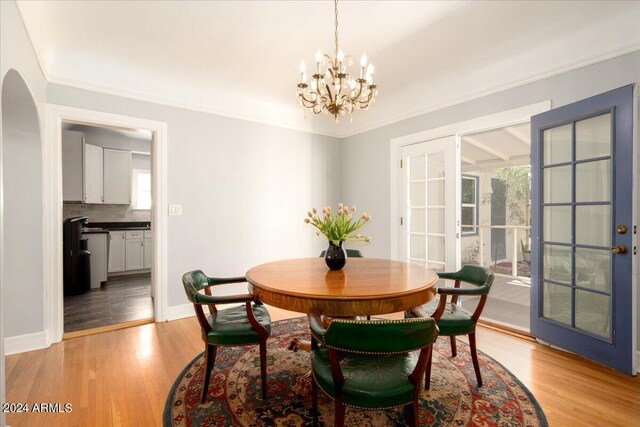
<point x="193" y="282"/>
<point x="478" y="276"/>
<point x="381" y="336"/>
<point x="351" y="253"/>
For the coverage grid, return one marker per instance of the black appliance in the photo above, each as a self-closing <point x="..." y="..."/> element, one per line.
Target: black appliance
<point x="77" y="267"/>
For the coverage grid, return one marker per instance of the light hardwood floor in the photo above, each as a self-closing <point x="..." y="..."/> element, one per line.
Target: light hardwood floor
<point x="122" y="378"/>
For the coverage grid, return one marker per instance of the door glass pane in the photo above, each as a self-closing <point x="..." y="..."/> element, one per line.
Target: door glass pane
<point x="593" y="181"/>
<point x="417" y="220"/>
<point x="416" y="168"/>
<point x="557" y="184"/>
<point x="557" y="223"/>
<point x="468" y="218"/>
<point x="435" y="165"/>
<point x="436" y="248"/>
<point x="593" y="137"/>
<point x="417" y="193"/>
<point x="556" y="261"/>
<point x="417" y="247"/>
<point x="593" y="312"/>
<point x="593" y="225"/>
<point x="593" y="269"/>
<point x="435" y="266"/>
<point x="468" y="190"/>
<point x="557" y="144"/>
<point x="557" y="303"/>
<point x="435" y="193"/>
<point x="435" y="220"/>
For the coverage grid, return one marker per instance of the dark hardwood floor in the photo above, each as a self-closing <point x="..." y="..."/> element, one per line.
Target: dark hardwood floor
<point x="121" y="299"/>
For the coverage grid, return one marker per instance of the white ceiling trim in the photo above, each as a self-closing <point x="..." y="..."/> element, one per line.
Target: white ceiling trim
<point x="497" y="89"/>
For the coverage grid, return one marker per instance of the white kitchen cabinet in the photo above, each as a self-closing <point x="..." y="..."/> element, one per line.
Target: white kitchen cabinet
<point x="93" y="173"/>
<point x="117" y="251"/>
<point x="135" y="254"/>
<point x="147" y="252"/>
<point x="117" y="177"/>
<point x="134" y="249"/>
<point x="72" y="159"/>
<point x="98" y="245"/>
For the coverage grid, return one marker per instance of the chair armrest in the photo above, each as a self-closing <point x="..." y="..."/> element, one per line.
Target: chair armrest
<point x="448" y="276"/>
<point x="481" y="290"/>
<point x="316" y="327"/>
<point x="227" y="299"/>
<point x="224" y="280"/>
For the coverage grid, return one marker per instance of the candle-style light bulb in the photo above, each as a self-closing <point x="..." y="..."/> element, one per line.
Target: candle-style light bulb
<point x="363" y="60"/>
<point x="303" y="67"/>
<point x="370" y="69"/>
<point x="319" y="56"/>
<point x="340" y="56"/>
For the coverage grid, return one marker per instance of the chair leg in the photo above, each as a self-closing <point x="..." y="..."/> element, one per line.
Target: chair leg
<point x="314" y="401"/>
<point x="263" y="367"/>
<point x="210" y="354"/>
<point x="454" y="350"/>
<point x="411" y="416"/>
<point x="340" y="410"/>
<point x="474" y="357"/>
<point x="427" y="374"/>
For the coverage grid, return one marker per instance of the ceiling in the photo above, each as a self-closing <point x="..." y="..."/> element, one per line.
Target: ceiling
<point x="241" y="58"/>
<point x="496" y="148"/>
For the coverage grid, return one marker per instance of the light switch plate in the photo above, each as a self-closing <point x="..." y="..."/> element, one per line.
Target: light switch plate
<point x="175" y="210"/>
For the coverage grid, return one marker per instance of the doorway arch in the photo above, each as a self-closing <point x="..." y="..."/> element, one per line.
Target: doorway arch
<point x="21" y="215"/>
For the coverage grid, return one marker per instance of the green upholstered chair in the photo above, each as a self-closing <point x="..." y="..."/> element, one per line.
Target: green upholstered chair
<point x="351" y="253"/>
<point x="371" y="364"/>
<point x="237" y="326"/>
<point x="454" y="320"/>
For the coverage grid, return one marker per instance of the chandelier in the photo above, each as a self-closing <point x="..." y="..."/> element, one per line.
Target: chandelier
<point x="333" y="90"/>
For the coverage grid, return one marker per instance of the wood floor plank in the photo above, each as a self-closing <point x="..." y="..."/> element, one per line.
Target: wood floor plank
<point x="122" y="377"/>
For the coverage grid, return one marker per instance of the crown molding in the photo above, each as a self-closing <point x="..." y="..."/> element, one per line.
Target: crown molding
<point x="541" y="76"/>
<point x="188" y="106"/>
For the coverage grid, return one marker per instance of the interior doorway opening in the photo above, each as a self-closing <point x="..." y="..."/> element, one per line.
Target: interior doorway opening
<point x="496" y="218"/>
<point x="107" y="227"/>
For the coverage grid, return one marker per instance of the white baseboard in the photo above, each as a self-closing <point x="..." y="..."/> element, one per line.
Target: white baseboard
<point x="638" y="362"/>
<point x="180" y="311"/>
<point x="26" y="342"/>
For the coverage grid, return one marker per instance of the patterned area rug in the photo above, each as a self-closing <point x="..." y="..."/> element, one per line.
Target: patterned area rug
<point x="234" y="392"/>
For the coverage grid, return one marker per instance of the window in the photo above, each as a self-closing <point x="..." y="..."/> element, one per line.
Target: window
<point x="141" y="189"/>
<point x="470" y="205"/>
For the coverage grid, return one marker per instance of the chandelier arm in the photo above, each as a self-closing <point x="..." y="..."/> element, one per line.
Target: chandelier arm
<point x="309" y="101"/>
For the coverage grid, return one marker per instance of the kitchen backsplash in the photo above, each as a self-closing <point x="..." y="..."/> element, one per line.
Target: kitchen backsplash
<point x="105" y="213"/>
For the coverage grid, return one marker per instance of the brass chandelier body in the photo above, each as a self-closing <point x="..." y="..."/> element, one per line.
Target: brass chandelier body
<point x="334" y="91"/>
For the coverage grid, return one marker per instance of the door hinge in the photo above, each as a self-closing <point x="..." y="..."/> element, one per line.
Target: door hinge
<point x="635" y="250"/>
<point x="635" y="229"/>
<point x="400" y="163"/>
<point x="401" y="221"/>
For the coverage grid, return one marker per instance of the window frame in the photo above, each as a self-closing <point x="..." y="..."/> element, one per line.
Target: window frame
<point x="475" y="206"/>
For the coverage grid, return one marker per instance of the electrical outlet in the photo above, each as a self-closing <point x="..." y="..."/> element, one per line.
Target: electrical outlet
<point x="175" y="210"/>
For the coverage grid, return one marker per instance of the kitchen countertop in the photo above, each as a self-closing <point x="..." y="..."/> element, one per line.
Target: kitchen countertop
<point x="121" y="225"/>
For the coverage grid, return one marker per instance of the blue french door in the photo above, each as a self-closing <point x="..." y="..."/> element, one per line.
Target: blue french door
<point x="581" y="259"/>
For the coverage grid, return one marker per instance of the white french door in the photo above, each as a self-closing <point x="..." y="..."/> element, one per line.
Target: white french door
<point x="430" y="218"/>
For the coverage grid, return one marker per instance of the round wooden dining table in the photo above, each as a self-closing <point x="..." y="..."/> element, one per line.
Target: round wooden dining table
<point x="365" y="286"/>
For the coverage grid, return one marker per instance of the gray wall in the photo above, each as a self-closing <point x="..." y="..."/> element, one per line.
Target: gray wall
<point x="365" y="171"/>
<point x="244" y="187"/>
<point x="365" y="178"/>
<point x="17" y="53"/>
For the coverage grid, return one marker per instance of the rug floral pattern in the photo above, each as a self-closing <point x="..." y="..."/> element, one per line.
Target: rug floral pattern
<point x="234" y="397"/>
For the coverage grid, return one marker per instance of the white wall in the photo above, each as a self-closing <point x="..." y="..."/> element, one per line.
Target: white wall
<point x="244" y="187"/>
<point x="17" y="53"/>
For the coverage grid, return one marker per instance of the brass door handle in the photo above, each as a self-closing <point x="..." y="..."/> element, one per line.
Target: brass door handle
<point x="619" y="249"/>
